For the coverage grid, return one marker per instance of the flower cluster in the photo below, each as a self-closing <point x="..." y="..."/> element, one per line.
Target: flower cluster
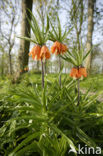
<point x="58" y="48"/>
<point x="78" y="72"/>
<point x="39" y="53"/>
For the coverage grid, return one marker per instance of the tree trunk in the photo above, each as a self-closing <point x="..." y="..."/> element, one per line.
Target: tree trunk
<point x="10" y="62"/>
<point x="2" y="65"/>
<point x="90" y="33"/>
<point x="25" y="31"/>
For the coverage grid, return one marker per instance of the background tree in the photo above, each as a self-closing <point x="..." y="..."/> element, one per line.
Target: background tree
<point x="90" y="32"/>
<point x="76" y="17"/>
<point x="25" y="31"/>
<point x="8" y="29"/>
<point x="76" y="12"/>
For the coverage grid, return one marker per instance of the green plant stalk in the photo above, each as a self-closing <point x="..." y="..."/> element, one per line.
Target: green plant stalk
<point x="60" y="71"/>
<point x="78" y="89"/>
<point x="42" y="73"/>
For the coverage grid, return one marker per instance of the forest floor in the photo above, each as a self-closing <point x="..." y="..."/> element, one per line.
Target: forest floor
<point x="93" y="83"/>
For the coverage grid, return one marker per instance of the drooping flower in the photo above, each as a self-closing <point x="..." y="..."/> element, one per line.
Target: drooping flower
<point x="78" y="72"/>
<point x="44" y="54"/>
<point x="35" y="52"/>
<point x="58" y="48"/>
<point x="64" y="48"/>
<point x="82" y="72"/>
<point x="74" y="73"/>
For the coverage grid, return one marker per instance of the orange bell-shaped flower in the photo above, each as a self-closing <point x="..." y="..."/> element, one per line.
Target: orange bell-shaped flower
<point x="35" y="52"/>
<point x="78" y="72"/>
<point x="74" y="73"/>
<point x="45" y="54"/>
<point x="63" y="48"/>
<point x="56" y="48"/>
<point x="82" y="71"/>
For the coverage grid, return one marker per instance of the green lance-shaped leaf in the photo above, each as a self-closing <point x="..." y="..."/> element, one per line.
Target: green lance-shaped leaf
<point x="70" y="55"/>
<point x="34" y="31"/>
<point x="27" y="39"/>
<point x="69" y="58"/>
<point x="47" y="26"/>
<point x="86" y="139"/>
<point x="52" y="37"/>
<point x="59" y="28"/>
<point x="72" y="146"/>
<point x="31" y="147"/>
<point x="25" y="142"/>
<point x="37" y="28"/>
<point x="76" y="56"/>
<point x="36" y="117"/>
<point x="66" y="33"/>
<point x="54" y="31"/>
<point x="87" y="54"/>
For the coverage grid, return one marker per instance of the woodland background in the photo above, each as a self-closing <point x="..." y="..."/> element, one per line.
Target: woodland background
<point x="14" y="52"/>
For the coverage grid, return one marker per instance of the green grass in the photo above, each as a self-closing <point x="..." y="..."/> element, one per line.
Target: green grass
<point x="4" y="85"/>
<point x="92" y="82"/>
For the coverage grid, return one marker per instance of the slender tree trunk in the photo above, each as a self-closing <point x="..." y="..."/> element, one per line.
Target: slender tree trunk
<point x="2" y="66"/>
<point x="77" y="19"/>
<point x="25" y="31"/>
<point x="10" y="62"/>
<point x="11" y="44"/>
<point x="90" y="33"/>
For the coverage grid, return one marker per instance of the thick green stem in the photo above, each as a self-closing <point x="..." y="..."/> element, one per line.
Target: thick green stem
<point x="42" y="73"/>
<point x="78" y="88"/>
<point x="60" y="71"/>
